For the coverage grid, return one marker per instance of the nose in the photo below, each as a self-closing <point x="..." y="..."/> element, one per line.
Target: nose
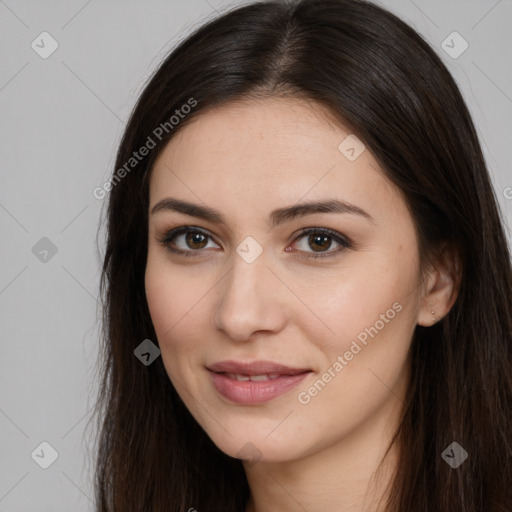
<point x="251" y="299"/>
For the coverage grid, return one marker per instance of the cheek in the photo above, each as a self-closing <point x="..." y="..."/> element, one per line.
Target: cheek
<point x="166" y="306"/>
<point x="161" y="298"/>
<point x="373" y="298"/>
<point x="168" y="291"/>
<point x="171" y="298"/>
<point x="367" y="357"/>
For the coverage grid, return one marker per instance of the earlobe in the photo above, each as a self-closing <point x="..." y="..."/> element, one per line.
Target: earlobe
<point x="441" y="289"/>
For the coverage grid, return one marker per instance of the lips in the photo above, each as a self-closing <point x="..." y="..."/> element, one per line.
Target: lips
<point x="253" y="378"/>
<point x="255" y="368"/>
<point x="254" y="382"/>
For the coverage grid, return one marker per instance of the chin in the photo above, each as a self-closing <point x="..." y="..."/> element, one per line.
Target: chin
<point x="254" y="448"/>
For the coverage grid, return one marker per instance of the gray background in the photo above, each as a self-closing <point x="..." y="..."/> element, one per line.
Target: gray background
<point x="61" y="120"/>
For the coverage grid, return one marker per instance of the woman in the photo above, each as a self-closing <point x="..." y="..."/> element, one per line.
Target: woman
<point x="306" y="256"/>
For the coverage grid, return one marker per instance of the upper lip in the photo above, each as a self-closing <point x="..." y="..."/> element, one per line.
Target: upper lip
<point x="255" y="368"/>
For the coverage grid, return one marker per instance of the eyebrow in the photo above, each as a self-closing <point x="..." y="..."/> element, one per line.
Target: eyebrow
<point x="276" y="217"/>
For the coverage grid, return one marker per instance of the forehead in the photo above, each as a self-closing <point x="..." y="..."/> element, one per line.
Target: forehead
<point x="286" y="128"/>
<point x="272" y="151"/>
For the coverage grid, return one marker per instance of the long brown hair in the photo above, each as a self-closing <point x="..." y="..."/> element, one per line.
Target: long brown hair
<point x="381" y="79"/>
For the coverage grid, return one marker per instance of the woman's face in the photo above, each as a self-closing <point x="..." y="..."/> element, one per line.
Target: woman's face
<point x="249" y="288"/>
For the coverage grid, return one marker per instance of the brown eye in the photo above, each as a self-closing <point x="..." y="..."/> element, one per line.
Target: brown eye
<point x="320" y="240"/>
<point x="195" y="240"/>
<point x="186" y="240"/>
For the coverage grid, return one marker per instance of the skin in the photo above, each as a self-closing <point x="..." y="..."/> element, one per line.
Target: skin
<point x="246" y="159"/>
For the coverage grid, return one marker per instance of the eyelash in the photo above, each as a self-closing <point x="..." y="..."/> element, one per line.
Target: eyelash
<point x="167" y="238"/>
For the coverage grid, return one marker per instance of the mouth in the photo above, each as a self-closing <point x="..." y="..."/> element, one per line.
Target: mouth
<point x="255" y="368"/>
<point x="254" y="378"/>
<point x="256" y="382"/>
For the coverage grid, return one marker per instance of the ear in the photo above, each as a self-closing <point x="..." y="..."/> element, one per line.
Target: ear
<point x="441" y="286"/>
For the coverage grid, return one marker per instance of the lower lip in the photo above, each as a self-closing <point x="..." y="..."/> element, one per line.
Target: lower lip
<point x="252" y="392"/>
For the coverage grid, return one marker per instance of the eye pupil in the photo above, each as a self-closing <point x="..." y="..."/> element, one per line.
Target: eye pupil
<point x="195" y="238"/>
<point x="320" y="241"/>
